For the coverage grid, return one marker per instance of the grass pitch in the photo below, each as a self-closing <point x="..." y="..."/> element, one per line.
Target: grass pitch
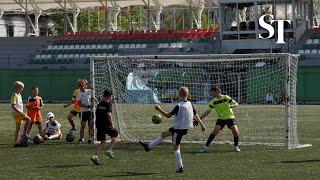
<point x="61" y="160"/>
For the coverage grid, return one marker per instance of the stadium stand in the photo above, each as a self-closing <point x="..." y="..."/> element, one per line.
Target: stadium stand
<point x="79" y="47"/>
<point x="17" y="51"/>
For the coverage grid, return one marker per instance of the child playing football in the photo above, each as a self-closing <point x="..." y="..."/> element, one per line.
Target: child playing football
<point x="105" y="126"/>
<point x="184" y="114"/>
<point x="223" y="105"/>
<point x="17" y="112"/>
<point x="76" y="107"/>
<point x="34" y="106"/>
<point x="84" y="99"/>
<point x="52" y="130"/>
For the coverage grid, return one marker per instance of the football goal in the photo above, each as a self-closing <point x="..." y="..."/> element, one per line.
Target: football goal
<point x="139" y="82"/>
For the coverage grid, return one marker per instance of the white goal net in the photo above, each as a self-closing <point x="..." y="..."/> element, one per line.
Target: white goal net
<point x="139" y="82"/>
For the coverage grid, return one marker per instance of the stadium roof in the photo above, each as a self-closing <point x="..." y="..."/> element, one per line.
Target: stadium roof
<point x="44" y="5"/>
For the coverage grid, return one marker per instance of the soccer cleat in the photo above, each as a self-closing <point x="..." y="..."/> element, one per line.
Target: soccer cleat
<point x="89" y="141"/>
<point x="109" y="153"/>
<point x="145" y="146"/>
<point x="203" y="150"/>
<point x="180" y="170"/>
<point x="237" y="149"/>
<point x="81" y="141"/>
<point x="17" y="145"/>
<point x="95" y="160"/>
<point x="73" y="129"/>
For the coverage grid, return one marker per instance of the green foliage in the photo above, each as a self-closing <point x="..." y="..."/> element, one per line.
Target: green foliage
<point x="130" y="18"/>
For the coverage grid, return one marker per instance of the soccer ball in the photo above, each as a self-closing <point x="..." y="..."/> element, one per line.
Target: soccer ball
<point x="37" y="139"/>
<point x="70" y="137"/>
<point x="24" y="141"/>
<point x="156" y="119"/>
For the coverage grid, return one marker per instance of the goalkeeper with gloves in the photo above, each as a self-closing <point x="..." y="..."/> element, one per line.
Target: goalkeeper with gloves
<point x="223" y="105"/>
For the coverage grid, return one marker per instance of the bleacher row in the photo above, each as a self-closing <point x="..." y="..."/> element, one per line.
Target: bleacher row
<point x="155" y="36"/>
<point x="70" y="48"/>
<point x="312" y="45"/>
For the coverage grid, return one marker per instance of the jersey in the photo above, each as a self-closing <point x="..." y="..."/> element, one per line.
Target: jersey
<point x="102" y="119"/>
<point x="52" y="128"/>
<point x="222" y="107"/>
<point x="76" y="106"/>
<point x="16" y="100"/>
<point x="85" y="99"/>
<point x="184" y="112"/>
<point x="33" y="105"/>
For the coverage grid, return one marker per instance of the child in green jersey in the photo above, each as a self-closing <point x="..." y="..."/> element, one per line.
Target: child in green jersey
<point x="223" y="105"/>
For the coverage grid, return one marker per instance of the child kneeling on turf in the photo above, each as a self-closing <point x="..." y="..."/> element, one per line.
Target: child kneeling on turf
<point x="184" y="114"/>
<point x="52" y="130"/>
<point x="105" y="126"/>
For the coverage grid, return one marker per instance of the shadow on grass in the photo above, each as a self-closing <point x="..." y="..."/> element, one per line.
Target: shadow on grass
<point x="298" y="161"/>
<point x="66" y="166"/>
<point x="128" y="173"/>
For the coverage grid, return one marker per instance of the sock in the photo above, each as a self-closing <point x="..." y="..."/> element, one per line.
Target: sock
<point x="156" y="141"/>
<point x="210" y="139"/>
<point x="236" y="141"/>
<point x="177" y="154"/>
<point x="72" y="124"/>
<point x="56" y="136"/>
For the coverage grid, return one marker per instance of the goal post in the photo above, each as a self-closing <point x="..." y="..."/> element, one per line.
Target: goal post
<point x="139" y="82"/>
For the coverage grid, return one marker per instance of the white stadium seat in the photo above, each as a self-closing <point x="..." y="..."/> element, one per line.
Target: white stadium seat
<point x="309" y="41"/>
<point x="71" y="47"/>
<point x="82" y="47"/>
<point x="307" y="51"/>
<point x="160" y="45"/>
<point x="93" y="46"/>
<point x="314" y="51"/>
<point x="316" y="41"/>
<point x="65" y="56"/>
<point x="126" y="46"/>
<point x="132" y="46"/>
<point x="49" y="56"/>
<point x="76" y="56"/>
<point x="144" y="46"/>
<point x="138" y="46"/>
<point x="55" y="47"/>
<point x="110" y="46"/>
<point x="77" y="46"/>
<point x="179" y="45"/>
<point x="49" y="47"/>
<point x="121" y="46"/>
<point x="88" y="46"/>
<point x="38" y="56"/>
<point x="66" y="47"/>
<point x="99" y="46"/>
<point x="105" y="46"/>
<point x="70" y="56"/>
<point x="301" y="51"/>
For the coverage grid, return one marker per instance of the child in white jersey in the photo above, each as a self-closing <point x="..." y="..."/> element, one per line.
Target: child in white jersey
<point x="52" y="129"/>
<point x="184" y="114"/>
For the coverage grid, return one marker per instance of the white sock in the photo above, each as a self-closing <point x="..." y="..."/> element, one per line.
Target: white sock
<point x="53" y="137"/>
<point x="155" y="142"/>
<point x="177" y="154"/>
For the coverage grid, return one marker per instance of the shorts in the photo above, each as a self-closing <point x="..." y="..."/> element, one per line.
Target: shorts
<point x="17" y="117"/>
<point x="86" y="116"/>
<point x="228" y="122"/>
<point x="177" y="135"/>
<point x="101" y="133"/>
<point x="75" y="113"/>
<point x="36" y="118"/>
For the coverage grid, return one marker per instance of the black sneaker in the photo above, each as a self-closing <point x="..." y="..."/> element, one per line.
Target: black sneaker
<point x="89" y="141"/>
<point x="144" y="145"/>
<point x="73" y="129"/>
<point x="180" y="170"/>
<point x="81" y="141"/>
